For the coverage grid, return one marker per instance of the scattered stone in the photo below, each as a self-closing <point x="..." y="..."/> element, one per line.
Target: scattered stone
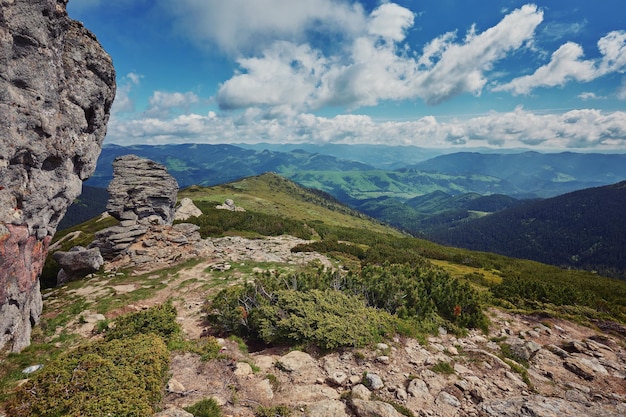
<point x="243" y="369"/>
<point x="361" y="392"/>
<point x="327" y="408"/>
<point x="373" y="409"/>
<point x="29" y="370"/>
<point x="229" y="205"/>
<point x="173" y="412"/>
<point x="374" y="381"/>
<point x="175" y="387"/>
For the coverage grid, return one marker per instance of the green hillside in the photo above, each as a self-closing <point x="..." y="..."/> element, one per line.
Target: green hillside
<point x="583" y="229"/>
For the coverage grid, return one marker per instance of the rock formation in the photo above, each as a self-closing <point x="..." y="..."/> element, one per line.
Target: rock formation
<point x="141" y="194"/>
<point x="56" y="89"/>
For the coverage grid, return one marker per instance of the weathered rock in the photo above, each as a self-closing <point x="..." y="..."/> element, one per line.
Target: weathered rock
<point x="327" y="408"/>
<point x="77" y="263"/>
<point x="141" y="189"/>
<point x="186" y="209"/>
<point x="373" y="409"/>
<point x="539" y="406"/>
<point x="141" y="195"/>
<point x="374" y="381"/>
<point x="360" y="392"/>
<point x="56" y="89"/>
<point x="173" y="412"/>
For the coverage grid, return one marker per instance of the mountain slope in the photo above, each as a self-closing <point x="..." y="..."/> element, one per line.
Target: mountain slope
<point x="533" y="173"/>
<point x="583" y="229"/>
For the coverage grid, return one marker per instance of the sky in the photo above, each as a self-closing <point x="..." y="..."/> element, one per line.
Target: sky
<point x="445" y="74"/>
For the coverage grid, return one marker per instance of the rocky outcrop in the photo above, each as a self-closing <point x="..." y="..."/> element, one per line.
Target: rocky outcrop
<point x="142" y="194"/>
<point x="141" y="191"/>
<point x="77" y="263"/>
<point x="56" y="88"/>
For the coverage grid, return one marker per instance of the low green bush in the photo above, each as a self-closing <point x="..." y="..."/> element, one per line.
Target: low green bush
<point x="121" y="377"/>
<point x="205" y="408"/>
<point x="159" y="320"/>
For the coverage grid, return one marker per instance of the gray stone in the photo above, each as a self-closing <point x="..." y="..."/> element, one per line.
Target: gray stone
<point x="77" y="263"/>
<point x="327" y="408"/>
<point x="374" y="381"/>
<point x="142" y="194"/>
<point x="361" y="392"/>
<point x="373" y="409"/>
<point x="56" y="89"/>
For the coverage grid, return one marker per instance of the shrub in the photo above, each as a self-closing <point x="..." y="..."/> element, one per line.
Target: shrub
<point x="160" y="320"/>
<point x="117" y="377"/>
<point x="328" y="319"/>
<point x="443" y="368"/>
<point x="205" y="408"/>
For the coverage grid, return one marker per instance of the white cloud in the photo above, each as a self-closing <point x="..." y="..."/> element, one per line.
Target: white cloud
<point x="243" y="25"/>
<point x="621" y="91"/>
<point x="164" y="103"/>
<point x="584" y="129"/>
<point x="123" y="102"/>
<point x="588" y="95"/>
<point x="567" y="64"/>
<point x="390" y="22"/>
<point x="376" y="65"/>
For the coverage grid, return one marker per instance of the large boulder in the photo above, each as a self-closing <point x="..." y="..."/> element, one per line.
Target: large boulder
<point x="57" y="85"/>
<point x="77" y="263"/>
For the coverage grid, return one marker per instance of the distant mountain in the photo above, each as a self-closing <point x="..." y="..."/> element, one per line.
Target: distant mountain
<point x="583" y="229"/>
<point x="379" y="156"/>
<point x="434" y="210"/>
<point x="534" y="174"/>
<point x="201" y="164"/>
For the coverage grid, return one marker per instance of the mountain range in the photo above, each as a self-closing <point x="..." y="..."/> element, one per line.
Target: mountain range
<point x="514" y="204"/>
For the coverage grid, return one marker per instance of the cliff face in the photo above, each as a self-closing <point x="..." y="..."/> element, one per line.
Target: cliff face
<point x="57" y="85"/>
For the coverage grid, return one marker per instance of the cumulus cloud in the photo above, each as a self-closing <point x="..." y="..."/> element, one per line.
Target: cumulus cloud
<point x="376" y="65"/>
<point x="583" y="129"/>
<point x="123" y="102"/>
<point x="163" y="103"/>
<point x="242" y="25"/>
<point x="567" y="64"/>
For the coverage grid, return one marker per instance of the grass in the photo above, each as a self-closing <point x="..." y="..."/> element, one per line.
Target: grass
<point x="443" y="368"/>
<point x="274" y="195"/>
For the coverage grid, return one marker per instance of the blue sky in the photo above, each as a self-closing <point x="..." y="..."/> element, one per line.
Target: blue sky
<point x="452" y="74"/>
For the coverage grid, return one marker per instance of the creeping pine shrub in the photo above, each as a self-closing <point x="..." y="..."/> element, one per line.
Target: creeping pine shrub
<point x="160" y="320"/>
<point x="122" y="377"/>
